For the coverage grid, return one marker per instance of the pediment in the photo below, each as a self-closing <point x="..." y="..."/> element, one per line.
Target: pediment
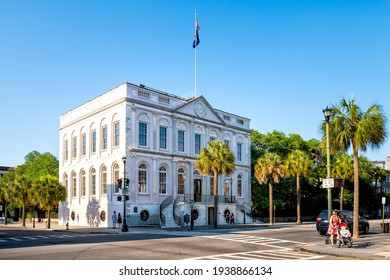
<point x="198" y="107"/>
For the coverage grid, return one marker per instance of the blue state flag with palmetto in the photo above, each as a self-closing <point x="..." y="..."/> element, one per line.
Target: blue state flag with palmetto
<point x="196" y="35"/>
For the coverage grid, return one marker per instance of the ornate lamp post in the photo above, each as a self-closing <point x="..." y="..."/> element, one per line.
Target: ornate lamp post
<point x="327" y="112"/>
<point x="124" y="225"/>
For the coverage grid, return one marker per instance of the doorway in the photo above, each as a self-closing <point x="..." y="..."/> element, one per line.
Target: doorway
<point x="211" y="215"/>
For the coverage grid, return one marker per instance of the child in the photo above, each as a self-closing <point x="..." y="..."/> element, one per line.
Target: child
<point x="344" y="232"/>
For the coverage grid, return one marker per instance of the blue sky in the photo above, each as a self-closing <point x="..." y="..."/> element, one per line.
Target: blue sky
<point x="276" y="62"/>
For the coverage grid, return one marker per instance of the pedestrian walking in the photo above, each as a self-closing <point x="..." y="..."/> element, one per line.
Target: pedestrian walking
<point x="114" y="219"/>
<point x="333" y="226"/>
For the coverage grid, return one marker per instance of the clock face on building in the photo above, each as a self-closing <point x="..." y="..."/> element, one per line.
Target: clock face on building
<point x="200" y="109"/>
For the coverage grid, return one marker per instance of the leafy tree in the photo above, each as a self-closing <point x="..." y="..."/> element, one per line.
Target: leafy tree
<point x="269" y="170"/>
<point x="343" y="168"/>
<point x="298" y="165"/>
<point x="350" y="127"/>
<point x="49" y="192"/>
<point x="7" y="190"/>
<point x="215" y="159"/>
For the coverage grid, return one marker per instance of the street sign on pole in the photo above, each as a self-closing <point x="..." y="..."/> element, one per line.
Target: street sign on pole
<point x="384" y="200"/>
<point x="328" y="183"/>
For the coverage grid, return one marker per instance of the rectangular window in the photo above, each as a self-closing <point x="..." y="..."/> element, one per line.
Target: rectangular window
<point x="93" y="183"/>
<point x="74" y="153"/>
<point x="142" y="181"/>
<point x="66" y="150"/>
<point x="116" y="134"/>
<point x="180" y="140"/>
<point x="83" y="185"/>
<point x="93" y="142"/>
<point x="239" y="152"/>
<point x="143" y="134"/>
<point x="84" y="144"/>
<point x="104" y="138"/>
<point x="74" y="182"/>
<point x="163" y="138"/>
<point x="104" y="182"/>
<point x="198" y="143"/>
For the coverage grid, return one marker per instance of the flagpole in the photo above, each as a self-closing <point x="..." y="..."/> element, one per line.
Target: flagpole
<point x="195" y="52"/>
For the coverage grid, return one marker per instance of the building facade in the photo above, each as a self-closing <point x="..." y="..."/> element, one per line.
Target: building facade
<point x="153" y="139"/>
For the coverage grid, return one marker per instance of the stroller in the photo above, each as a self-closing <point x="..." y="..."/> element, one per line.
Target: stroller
<point x="344" y="236"/>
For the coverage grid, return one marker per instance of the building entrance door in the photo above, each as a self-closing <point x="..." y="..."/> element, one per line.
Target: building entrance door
<point x="197" y="190"/>
<point x="211" y="215"/>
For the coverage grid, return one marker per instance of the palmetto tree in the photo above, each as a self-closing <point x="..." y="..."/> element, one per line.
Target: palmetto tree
<point x="379" y="175"/>
<point x="298" y="164"/>
<point x="268" y="170"/>
<point x="343" y="168"/>
<point x="214" y="160"/>
<point x="49" y="192"/>
<point x="350" y="127"/>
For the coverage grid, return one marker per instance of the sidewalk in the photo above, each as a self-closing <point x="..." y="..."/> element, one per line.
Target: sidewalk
<point x="374" y="246"/>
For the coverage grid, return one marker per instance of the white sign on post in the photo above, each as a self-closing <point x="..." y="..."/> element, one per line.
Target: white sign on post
<point x="328" y="183"/>
<point x="383" y="200"/>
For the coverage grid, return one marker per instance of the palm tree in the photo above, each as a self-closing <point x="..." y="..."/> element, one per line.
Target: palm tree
<point x="379" y="175"/>
<point x="350" y="127"/>
<point x="214" y="160"/>
<point x="49" y="192"/>
<point x="22" y="186"/>
<point x="343" y="168"/>
<point x="298" y="164"/>
<point x="268" y="170"/>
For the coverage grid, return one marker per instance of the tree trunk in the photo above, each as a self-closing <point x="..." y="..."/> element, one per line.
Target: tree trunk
<point x="355" y="192"/>
<point x="271" y="206"/>
<point x="48" y="218"/>
<point x="342" y="195"/>
<point x="5" y="213"/>
<point x="215" y="200"/>
<point x="298" y="200"/>
<point x="24" y="214"/>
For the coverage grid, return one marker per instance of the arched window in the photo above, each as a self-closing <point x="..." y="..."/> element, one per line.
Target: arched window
<point x="93" y="181"/>
<point x="142" y="178"/>
<point x="239" y="186"/>
<point x="115" y="172"/>
<point x="103" y="180"/>
<point x="163" y="179"/>
<point x="181" y="177"/>
<point x="66" y="181"/>
<point x="83" y="183"/>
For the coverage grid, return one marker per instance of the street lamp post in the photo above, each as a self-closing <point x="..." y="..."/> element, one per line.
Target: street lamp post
<point x="231" y="190"/>
<point x="192" y="214"/>
<point x="124" y="225"/>
<point x="244" y="213"/>
<point x="327" y="112"/>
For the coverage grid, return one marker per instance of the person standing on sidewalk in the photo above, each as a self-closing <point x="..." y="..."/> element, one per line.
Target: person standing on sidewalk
<point x="119" y="220"/>
<point x="114" y="219"/>
<point x="333" y="226"/>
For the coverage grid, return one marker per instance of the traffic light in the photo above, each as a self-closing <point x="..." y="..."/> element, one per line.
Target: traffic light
<point x="119" y="185"/>
<point x="127" y="183"/>
<point x="127" y="197"/>
<point x="317" y="156"/>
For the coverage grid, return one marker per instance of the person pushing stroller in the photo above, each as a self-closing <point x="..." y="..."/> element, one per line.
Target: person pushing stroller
<point x="344" y="236"/>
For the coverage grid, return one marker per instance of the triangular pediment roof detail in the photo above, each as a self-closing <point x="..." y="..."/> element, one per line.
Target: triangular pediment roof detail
<point x="200" y="108"/>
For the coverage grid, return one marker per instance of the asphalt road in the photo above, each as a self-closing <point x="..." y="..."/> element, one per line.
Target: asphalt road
<point x="281" y="242"/>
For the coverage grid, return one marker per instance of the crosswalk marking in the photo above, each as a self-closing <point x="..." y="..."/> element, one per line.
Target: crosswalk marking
<point x="50" y="236"/>
<point x="280" y="254"/>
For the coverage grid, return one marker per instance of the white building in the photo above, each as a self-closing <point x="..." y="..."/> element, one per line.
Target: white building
<point x="161" y="136"/>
